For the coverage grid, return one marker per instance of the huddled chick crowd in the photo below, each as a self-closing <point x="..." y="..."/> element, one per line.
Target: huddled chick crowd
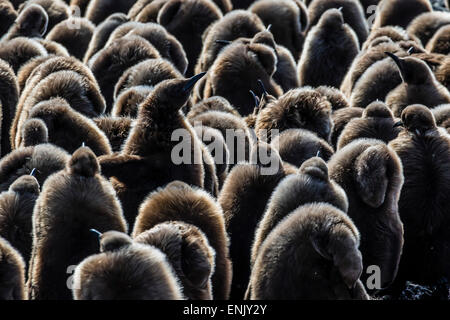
<point x="349" y="99"/>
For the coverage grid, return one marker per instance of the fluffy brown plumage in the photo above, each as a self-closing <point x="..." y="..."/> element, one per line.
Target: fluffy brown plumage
<point x="424" y="151"/>
<point x="147" y="73"/>
<point x="187" y="20"/>
<point x="340" y="119"/>
<point x="425" y="25"/>
<point x="20" y="50"/>
<point x="302" y="108"/>
<point x="439" y="43"/>
<point x="71" y="202"/>
<point x="102" y="33"/>
<point x="45" y="158"/>
<point x="69" y="129"/>
<point x="128" y="101"/>
<point x="188" y="252"/>
<point x="16" y="210"/>
<point x="98" y="10"/>
<point x="371" y="174"/>
<point x="234" y="25"/>
<point x="352" y="12"/>
<point x="289" y="20"/>
<point x="295" y="146"/>
<point x="180" y="202"/>
<point x="217" y="148"/>
<point x="375" y="84"/>
<point x="12" y="273"/>
<point x="243" y="199"/>
<point x="330" y="47"/>
<point x="116" y="130"/>
<point x="367" y="58"/>
<point x="74" y="34"/>
<point x="7" y="16"/>
<point x="234" y="129"/>
<point x="145" y="162"/>
<point x="82" y="97"/>
<point x="9" y="96"/>
<point x="34" y="132"/>
<point x="400" y="12"/>
<point x="110" y="63"/>
<point x="77" y="85"/>
<point x="419" y="86"/>
<point x="57" y="10"/>
<point x="311" y="254"/>
<point x="167" y="45"/>
<point x="310" y="184"/>
<point x="377" y="122"/>
<point x="237" y="69"/>
<point x="125" y="271"/>
<point x="32" y="23"/>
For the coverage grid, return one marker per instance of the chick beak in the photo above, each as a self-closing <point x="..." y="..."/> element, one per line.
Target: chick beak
<point x="192" y="81"/>
<point x="398" y="124"/>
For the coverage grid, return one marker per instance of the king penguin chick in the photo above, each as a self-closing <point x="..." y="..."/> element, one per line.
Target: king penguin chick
<point x="340" y="119"/>
<point x="419" y="86"/>
<point x="45" y="158"/>
<point x="295" y="146"/>
<point x="146" y="162"/>
<point x="74" y="34"/>
<point x="243" y="199"/>
<point x="187" y="20"/>
<point x="57" y="10"/>
<point x="330" y="48"/>
<point x="238" y="69"/>
<point x="71" y="202"/>
<point x="180" y="202"/>
<point x="8" y="15"/>
<point x="425" y="25"/>
<point x="102" y="33"/>
<point x="9" y="96"/>
<point x="440" y="42"/>
<point x="12" y="273"/>
<point x="377" y="122"/>
<point x="16" y="210"/>
<point x="116" y="130"/>
<point x="399" y="12"/>
<point x="424" y="150"/>
<point x="31" y="23"/>
<point x="370" y="173"/>
<point x="69" y="129"/>
<point x="289" y="21"/>
<point x="125" y="271"/>
<point x="111" y="62"/>
<point x="352" y="12"/>
<point x="302" y="108"/>
<point x="311" y="254"/>
<point x="98" y="10"/>
<point x="234" y="25"/>
<point x="189" y="253"/>
<point x="310" y="184"/>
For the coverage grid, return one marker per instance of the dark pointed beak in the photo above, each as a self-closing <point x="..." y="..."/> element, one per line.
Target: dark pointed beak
<point x="255" y="98"/>
<point x="32" y="172"/>
<point x="398" y="124"/>
<point x="192" y="81"/>
<point x="396" y="59"/>
<point x="225" y="42"/>
<point x="98" y="233"/>
<point x="263" y="88"/>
